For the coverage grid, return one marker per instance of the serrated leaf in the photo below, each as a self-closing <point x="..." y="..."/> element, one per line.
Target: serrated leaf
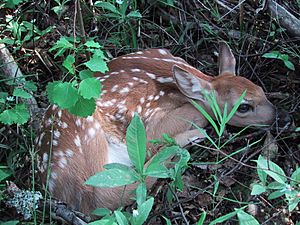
<point x="61" y="46"/>
<point x="62" y="94"/>
<point x="258" y="189"/>
<point x="272" y="169"/>
<point x="18" y="92"/>
<point x="97" y="64"/>
<point x="83" y="74"/>
<point x="246" y="219"/>
<point x="83" y="107"/>
<point x="136" y="142"/>
<point x="19" y="115"/>
<point x="143" y="212"/>
<point x="111" y="178"/>
<point x="30" y="86"/>
<point x="69" y="64"/>
<point x="90" y="88"/>
<point x="92" y="44"/>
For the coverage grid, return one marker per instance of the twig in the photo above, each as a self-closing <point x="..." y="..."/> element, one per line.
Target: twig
<point x="284" y="17"/>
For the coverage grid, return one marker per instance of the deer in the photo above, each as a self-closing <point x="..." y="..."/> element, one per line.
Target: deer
<point x="159" y="87"/>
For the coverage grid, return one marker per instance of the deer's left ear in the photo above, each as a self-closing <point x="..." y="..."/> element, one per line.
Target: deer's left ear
<point x="190" y="85"/>
<point x="227" y="61"/>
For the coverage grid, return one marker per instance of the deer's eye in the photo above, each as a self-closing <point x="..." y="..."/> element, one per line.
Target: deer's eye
<point x="243" y="108"/>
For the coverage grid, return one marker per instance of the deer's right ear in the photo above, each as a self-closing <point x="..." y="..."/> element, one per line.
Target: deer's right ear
<point x="190" y="85"/>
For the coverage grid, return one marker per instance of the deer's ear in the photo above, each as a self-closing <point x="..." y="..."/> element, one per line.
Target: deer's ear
<point x="227" y="61"/>
<point x="190" y="85"/>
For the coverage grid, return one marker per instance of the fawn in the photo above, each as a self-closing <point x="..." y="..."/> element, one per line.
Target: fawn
<point x="159" y="87"/>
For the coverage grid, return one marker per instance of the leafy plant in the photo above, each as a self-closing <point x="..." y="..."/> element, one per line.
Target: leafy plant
<point x="159" y="167"/>
<point x="118" y="13"/>
<point x="283" y="57"/>
<point x="78" y="95"/>
<point x="280" y="185"/>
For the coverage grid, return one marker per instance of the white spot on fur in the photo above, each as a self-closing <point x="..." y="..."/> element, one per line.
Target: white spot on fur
<point x="51" y="185"/>
<point x="54" y="175"/>
<point x="130" y="84"/>
<point x="139" y="53"/>
<point x="54" y="142"/>
<point x="151" y="75"/>
<point x="150" y="97"/>
<point x="161" y="93"/>
<point x="69" y="153"/>
<point x="90" y="119"/>
<point x="45" y="158"/>
<point x="78" y="122"/>
<point x="139" y="109"/>
<point x="62" y="162"/>
<point x="56" y="134"/>
<point x="135" y="78"/>
<point x="148" y="105"/>
<point x="165" y="79"/>
<point x="135" y="70"/>
<point x="124" y="90"/>
<point x="142" y="100"/>
<point x="54" y="107"/>
<point x="114" y="73"/>
<point x="77" y="141"/>
<point x="163" y="52"/>
<point x="114" y="88"/>
<point x="92" y="132"/>
<point x="97" y="125"/>
<point x="59" y="113"/>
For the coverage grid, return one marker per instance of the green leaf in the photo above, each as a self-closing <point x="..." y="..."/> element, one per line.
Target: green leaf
<point x="4" y="174"/>
<point x="107" y="6"/>
<point x="141" y="193"/>
<point x="11" y="222"/>
<point x="271" y="169"/>
<point x="30" y="86"/>
<point x="108" y="220"/>
<point x="97" y="64"/>
<point x="136" y="142"/>
<point x="121" y="219"/>
<point x="258" y="189"/>
<point x="18" y="92"/>
<point x="111" y="178"/>
<point x="69" y="64"/>
<point x="276" y="186"/>
<point x="62" y="94"/>
<point x="289" y="64"/>
<point x="272" y="55"/>
<point x="90" y="88"/>
<point x="61" y="46"/>
<point x="202" y="218"/>
<point x="223" y="218"/>
<point x="236" y="105"/>
<point x="246" y="219"/>
<point x="134" y="14"/>
<point x="83" y="74"/>
<point x="101" y="212"/>
<point x="92" y="44"/>
<point x="19" y="115"/>
<point x="143" y="212"/>
<point x="11" y="4"/>
<point x="83" y="107"/>
<point x="295" y="178"/>
<point x="276" y="194"/>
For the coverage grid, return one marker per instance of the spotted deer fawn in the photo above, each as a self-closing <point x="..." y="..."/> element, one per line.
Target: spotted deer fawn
<point x="159" y="87"/>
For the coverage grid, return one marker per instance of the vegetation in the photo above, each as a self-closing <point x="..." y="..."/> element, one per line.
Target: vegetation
<point x="233" y="177"/>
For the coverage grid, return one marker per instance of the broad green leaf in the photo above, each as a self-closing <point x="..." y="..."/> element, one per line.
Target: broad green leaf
<point x="246" y="219"/>
<point x="83" y="107"/>
<point x="62" y="94"/>
<point x="90" y="88"/>
<point x="134" y="14"/>
<point x="276" y="186"/>
<point x="19" y="115"/>
<point x="108" y="220"/>
<point x="101" y="212"/>
<point x="69" y="64"/>
<point x="141" y="193"/>
<point x="111" y="178"/>
<point x="289" y="64"/>
<point x="12" y="3"/>
<point x="18" y="92"/>
<point x="4" y="174"/>
<point x="30" y="86"/>
<point x="121" y="219"/>
<point x="275" y="194"/>
<point x="107" y="6"/>
<point x="223" y="218"/>
<point x="143" y="212"/>
<point x="83" y="74"/>
<point x="295" y="178"/>
<point x="136" y="143"/>
<point x="258" y="189"/>
<point x="271" y="169"/>
<point x="97" y="64"/>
